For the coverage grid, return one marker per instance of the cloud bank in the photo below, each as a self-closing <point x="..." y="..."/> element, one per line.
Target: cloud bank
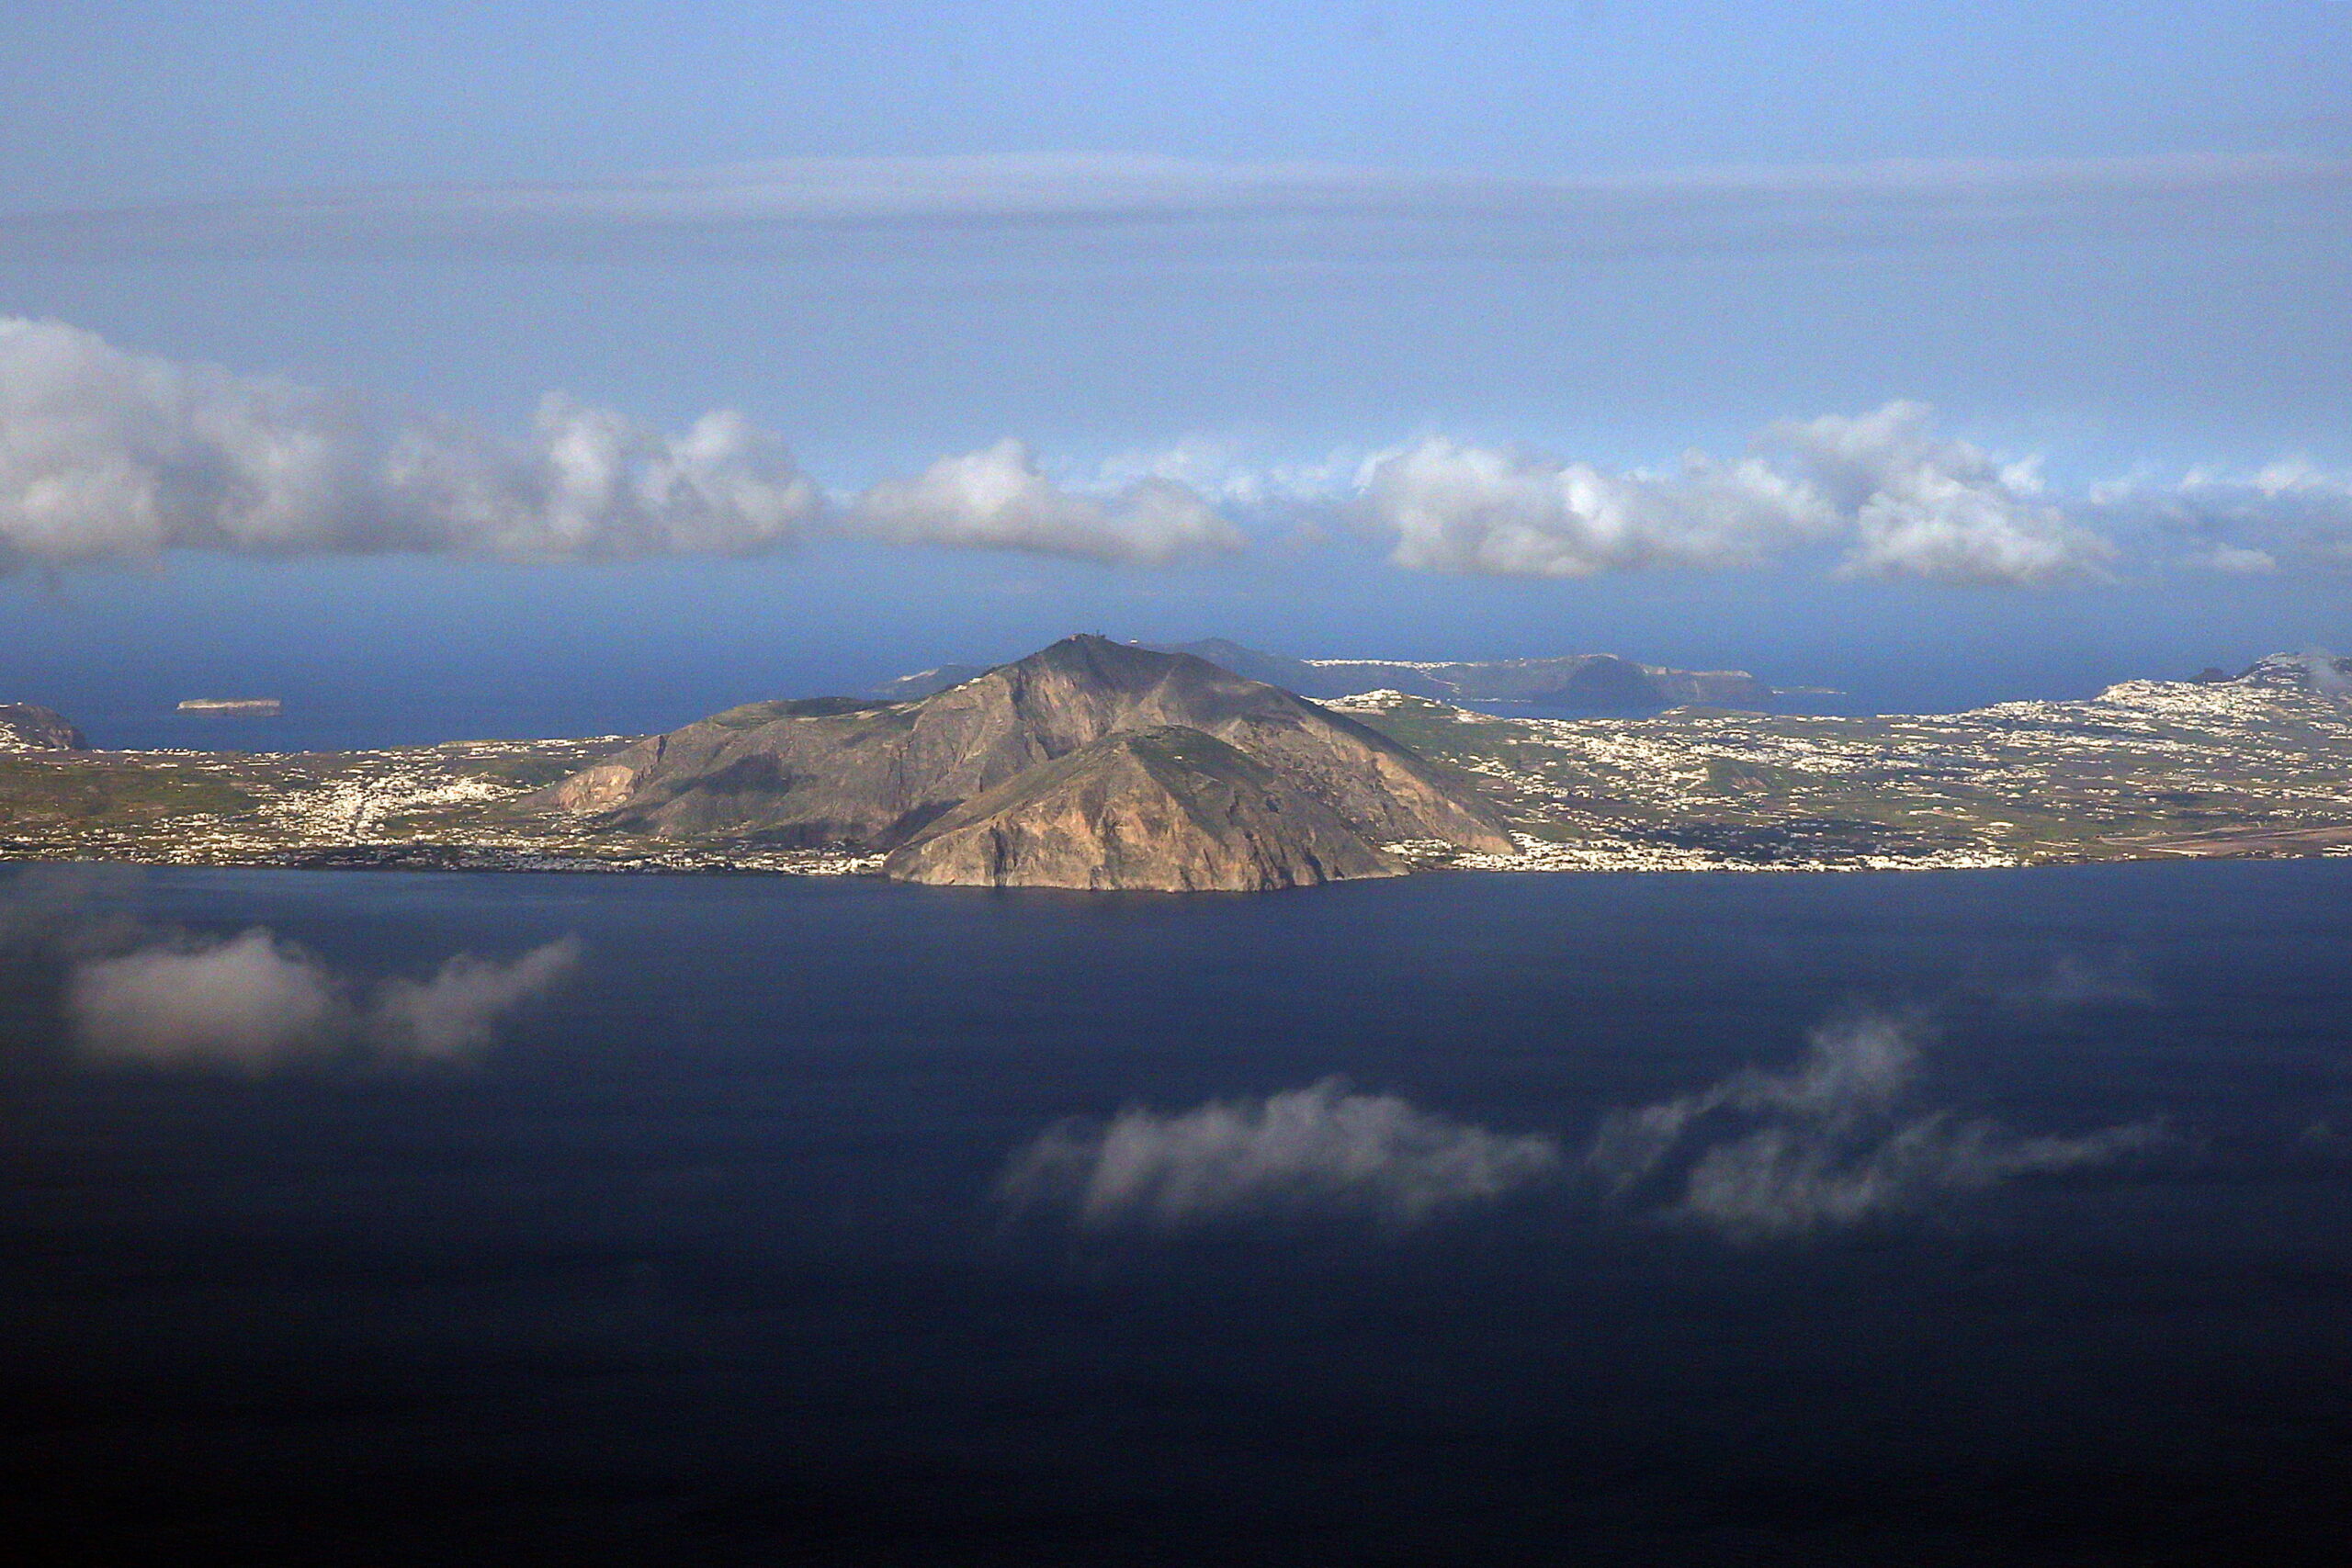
<point x="111" y="455"/>
<point x="1320" y="1147"/>
<point x="106" y="455"/>
<point x="1763" y="1155"/>
<point x="253" y="1003"/>
<point x="2292" y="512"/>
<point x="1902" y="500"/>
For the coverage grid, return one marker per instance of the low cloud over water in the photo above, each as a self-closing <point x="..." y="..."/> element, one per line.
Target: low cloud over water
<point x="1834" y="1140"/>
<point x="253" y="1003"/>
<point x="1320" y="1147"/>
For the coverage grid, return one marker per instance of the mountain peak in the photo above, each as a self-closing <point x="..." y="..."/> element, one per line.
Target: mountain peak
<point x="879" y="777"/>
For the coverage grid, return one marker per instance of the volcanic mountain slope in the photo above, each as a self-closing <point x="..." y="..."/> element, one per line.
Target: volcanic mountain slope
<point x="1169" y="808"/>
<point x="877" y="774"/>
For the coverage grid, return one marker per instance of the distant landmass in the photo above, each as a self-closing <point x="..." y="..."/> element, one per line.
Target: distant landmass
<point x="247" y="708"/>
<point x="24" y="728"/>
<point x="1100" y="764"/>
<point x="1575" y="684"/>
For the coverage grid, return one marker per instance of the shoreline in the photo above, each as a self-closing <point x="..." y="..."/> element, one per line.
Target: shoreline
<point x="434" y="858"/>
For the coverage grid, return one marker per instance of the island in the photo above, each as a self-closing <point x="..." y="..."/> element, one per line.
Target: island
<point x="247" y="708"/>
<point x="1110" y="766"/>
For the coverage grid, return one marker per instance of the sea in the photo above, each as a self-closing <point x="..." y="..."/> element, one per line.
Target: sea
<point x="1916" y="1218"/>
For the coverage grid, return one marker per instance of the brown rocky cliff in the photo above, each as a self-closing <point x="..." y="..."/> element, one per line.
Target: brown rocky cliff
<point x="1168" y="809"/>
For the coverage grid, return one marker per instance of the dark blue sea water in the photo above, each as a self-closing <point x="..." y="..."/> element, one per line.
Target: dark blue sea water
<point x="703" y="1261"/>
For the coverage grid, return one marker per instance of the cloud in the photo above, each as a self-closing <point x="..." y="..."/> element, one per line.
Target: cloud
<point x="110" y="455"/>
<point x="1923" y="506"/>
<point x="249" y="1002"/>
<point x="1317" y="1147"/>
<point x="1027" y="197"/>
<point x="456" y="1012"/>
<point x="1904" y="500"/>
<point x="1764" y="1154"/>
<point x="997" y="498"/>
<point x="1471" y="509"/>
<point x="253" y="1003"/>
<point x="1221" y="471"/>
<point x="106" y="455"/>
<point x="2292" y="512"/>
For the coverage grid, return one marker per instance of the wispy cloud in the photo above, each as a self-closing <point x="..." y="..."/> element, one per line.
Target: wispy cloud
<point x="1322" y="1147"/>
<point x="458" y="1010"/>
<point x="253" y="1003"/>
<point x="2247" y="523"/>
<point x="2085" y="979"/>
<point x="1767" y="1155"/>
<point x="1038" y="194"/>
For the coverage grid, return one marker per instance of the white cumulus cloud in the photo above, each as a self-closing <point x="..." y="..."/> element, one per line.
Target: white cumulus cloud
<point x="1764" y="1154"/>
<point x="1921" y="504"/>
<point x="1902" y="500"/>
<point x="110" y="455"/>
<point x="1472" y="509"/>
<point x="997" y="498"/>
<point x="1321" y="1146"/>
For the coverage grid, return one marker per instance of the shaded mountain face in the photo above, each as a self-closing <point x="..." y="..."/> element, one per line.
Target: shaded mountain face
<point x="877" y="774"/>
<point x="1168" y="809"/>
<point x="24" y="728"/>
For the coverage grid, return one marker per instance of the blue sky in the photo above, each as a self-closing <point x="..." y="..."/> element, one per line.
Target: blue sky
<point x="2015" y="339"/>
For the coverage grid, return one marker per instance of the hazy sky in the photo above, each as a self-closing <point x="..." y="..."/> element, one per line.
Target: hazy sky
<point x="1945" y="352"/>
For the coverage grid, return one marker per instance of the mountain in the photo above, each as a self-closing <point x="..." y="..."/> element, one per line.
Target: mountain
<point x="24" y="728"/>
<point x="877" y="775"/>
<point x="2294" y="672"/>
<point x="1168" y="808"/>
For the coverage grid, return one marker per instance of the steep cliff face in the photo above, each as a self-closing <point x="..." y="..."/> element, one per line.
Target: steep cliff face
<point x="1168" y="809"/>
<point x="878" y="774"/>
<point x="24" y="728"/>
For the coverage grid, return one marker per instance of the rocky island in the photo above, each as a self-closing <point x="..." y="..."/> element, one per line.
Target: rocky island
<point x="1106" y="765"/>
<point x="240" y="707"/>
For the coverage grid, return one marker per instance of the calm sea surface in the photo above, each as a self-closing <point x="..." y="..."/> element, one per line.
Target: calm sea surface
<point x="703" y="1260"/>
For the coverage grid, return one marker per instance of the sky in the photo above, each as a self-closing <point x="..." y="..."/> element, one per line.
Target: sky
<point x="545" y="369"/>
